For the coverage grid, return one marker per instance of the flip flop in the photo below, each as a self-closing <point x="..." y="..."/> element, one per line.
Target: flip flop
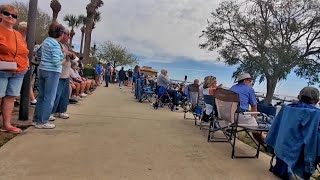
<point x="14" y="130"/>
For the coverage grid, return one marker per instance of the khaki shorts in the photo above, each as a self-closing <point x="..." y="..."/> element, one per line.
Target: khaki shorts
<point x="247" y="120"/>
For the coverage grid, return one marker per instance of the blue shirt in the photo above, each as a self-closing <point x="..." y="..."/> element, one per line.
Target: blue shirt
<point x="108" y="71"/>
<point x="51" y="55"/>
<point x="246" y="94"/>
<point x="98" y="69"/>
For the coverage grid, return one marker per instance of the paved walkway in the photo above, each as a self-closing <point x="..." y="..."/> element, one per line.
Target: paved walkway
<point x="111" y="136"/>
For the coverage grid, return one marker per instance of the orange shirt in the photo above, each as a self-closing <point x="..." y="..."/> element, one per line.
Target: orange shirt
<point x="8" y="48"/>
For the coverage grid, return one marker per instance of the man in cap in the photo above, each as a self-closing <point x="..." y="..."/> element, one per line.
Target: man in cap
<point x="247" y="97"/>
<point x="308" y="98"/>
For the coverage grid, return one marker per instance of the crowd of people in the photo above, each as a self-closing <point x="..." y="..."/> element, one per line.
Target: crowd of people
<point x="108" y="74"/>
<point x="57" y="70"/>
<point x="308" y="97"/>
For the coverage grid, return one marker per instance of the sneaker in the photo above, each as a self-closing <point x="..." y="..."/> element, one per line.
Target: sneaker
<point x="73" y="101"/>
<point x="79" y="98"/>
<point x="33" y="123"/>
<point x="64" y="116"/>
<point x="55" y="115"/>
<point x="83" y="95"/>
<point x="33" y="103"/>
<point x="45" y="126"/>
<point x="52" y="118"/>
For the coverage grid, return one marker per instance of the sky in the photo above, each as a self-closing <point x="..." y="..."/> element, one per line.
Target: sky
<point x="163" y="34"/>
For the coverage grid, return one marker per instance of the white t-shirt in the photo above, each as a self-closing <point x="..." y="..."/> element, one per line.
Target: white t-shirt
<point x="74" y="74"/>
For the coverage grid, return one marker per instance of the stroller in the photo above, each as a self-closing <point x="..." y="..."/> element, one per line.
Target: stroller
<point x="163" y="98"/>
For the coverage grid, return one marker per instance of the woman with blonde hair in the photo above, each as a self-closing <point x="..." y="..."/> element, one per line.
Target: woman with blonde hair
<point x="209" y="88"/>
<point x="13" y="64"/>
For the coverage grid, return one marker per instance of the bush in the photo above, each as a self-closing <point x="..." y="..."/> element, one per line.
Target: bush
<point x="89" y="72"/>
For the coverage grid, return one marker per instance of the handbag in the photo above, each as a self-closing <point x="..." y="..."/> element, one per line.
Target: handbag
<point x="7" y="65"/>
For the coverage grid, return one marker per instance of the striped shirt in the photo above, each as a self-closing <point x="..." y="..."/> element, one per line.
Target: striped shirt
<point x="51" y="55"/>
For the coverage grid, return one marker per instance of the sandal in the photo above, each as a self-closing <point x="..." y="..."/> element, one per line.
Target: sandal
<point x="14" y="130"/>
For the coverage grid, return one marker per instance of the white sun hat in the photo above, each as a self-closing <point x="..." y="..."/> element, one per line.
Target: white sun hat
<point x="243" y="76"/>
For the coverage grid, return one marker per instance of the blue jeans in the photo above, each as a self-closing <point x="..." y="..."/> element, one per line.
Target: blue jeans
<point x="62" y="98"/>
<point x="10" y="84"/>
<point x="48" y="83"/>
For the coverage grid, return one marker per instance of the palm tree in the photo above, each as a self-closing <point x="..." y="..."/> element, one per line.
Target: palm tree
<point x="92" y="8"/>
<point x="73" y="22"/>
<point x="96" y="18"/>
<point x="56" y="8"/>
<point x="82" y="21"/>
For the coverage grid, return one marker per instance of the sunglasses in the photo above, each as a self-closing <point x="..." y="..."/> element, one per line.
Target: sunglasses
<point x="14" y="16"/>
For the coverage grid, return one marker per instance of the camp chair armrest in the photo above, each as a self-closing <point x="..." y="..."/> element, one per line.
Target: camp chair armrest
<point x="250" y="113"/>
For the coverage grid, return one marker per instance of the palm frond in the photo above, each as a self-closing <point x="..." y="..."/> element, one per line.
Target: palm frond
<point x="97" y="16"/>
<point x="71" y="20"/>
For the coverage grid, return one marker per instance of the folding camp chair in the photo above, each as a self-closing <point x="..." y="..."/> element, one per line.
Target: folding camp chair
<point x="148" y="92"/>
<point x="193" y="103"/>
<point x="228" y="106"/>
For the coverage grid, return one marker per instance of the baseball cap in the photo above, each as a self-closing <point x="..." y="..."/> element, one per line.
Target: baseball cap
<point x="310" y="92"/>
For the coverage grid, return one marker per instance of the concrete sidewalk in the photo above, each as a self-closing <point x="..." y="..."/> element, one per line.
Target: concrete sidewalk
<point x="111" y="136"/>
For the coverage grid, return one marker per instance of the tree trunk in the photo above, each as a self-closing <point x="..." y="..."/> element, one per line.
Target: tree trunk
<point x="81" y="46"/>
<point x="87" y="40"/>
<point x="72" y="33"/>
<point x="271" y="87"/>
<point x="55" y="16"/>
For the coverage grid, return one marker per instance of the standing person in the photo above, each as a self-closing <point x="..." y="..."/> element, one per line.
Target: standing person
<point x="130" y="77"/>
<point x="108" y="74"/>
<point x="122" y="76"/>
<point x="13" y="50"/>
<point x="98" y="73"/>
<point x="135" y="76"/>
<point x="81" y="66"/>
<point x="114" y="76"/>
<point x="50" y="69"/>
<point x="63" y="91"/>
<point x="22" y="29"/>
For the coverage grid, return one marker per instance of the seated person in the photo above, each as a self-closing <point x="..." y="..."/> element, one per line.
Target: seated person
<point x="308" y="98"/>
<point x="164" y="81"/>
<point x="247" y="97"/>
<point x="209" y="87"/>
<point x="74" y="91"/>
<point x="302" y="135"/>
<point x="73" y="88"/>
<point x="84" y="85"/>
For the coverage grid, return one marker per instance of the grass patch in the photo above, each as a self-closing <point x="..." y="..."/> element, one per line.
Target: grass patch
<point x="6" y="137"/>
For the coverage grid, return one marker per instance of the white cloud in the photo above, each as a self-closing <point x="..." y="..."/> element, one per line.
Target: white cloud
<point x="152" y="28"/>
